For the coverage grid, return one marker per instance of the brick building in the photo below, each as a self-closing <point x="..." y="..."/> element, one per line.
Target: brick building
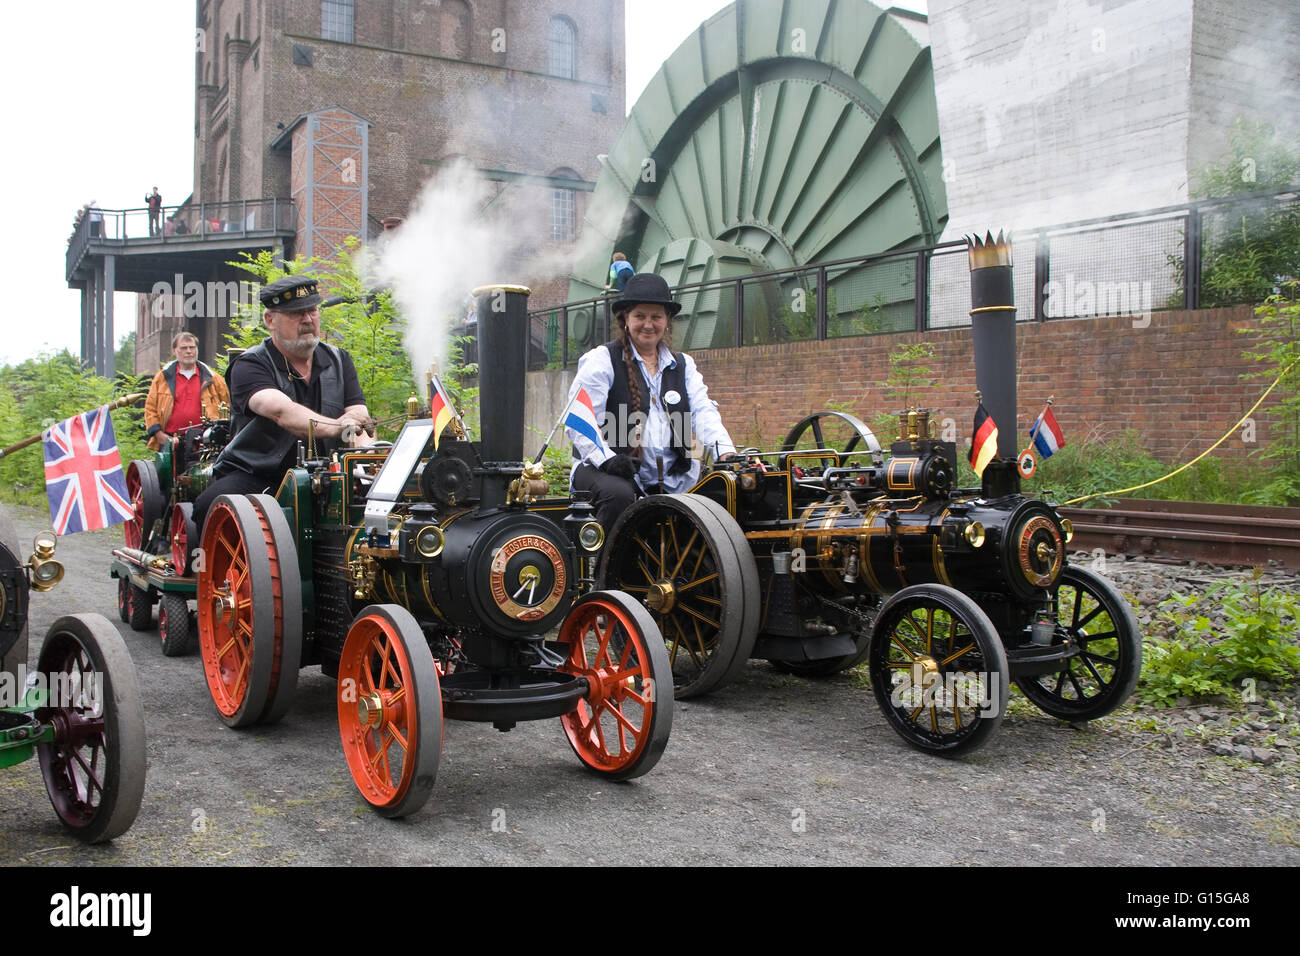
<point x="348" y="107"/>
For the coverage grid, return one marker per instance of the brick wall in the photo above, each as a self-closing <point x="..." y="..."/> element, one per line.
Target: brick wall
<point x="1177" y="381"/>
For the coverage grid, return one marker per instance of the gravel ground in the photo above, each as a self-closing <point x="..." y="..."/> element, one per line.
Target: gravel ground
<point x="772" y="770"/>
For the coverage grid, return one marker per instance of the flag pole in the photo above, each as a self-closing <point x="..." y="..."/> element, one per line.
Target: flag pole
<point x="563" y="415"/>
<point x="460" y="422"/>
<point x="1033" y="433"/>
<point x="125" y="400"/>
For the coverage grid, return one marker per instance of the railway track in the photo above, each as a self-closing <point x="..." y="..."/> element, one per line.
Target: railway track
<point x="1190" y="531"/>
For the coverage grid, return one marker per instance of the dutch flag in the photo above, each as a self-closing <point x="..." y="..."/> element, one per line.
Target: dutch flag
<point x="582" y="419"/>
<point x="1047" y="435"/>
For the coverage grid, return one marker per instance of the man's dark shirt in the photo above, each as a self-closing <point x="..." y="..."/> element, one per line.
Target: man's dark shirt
<point x="249" y="378"/>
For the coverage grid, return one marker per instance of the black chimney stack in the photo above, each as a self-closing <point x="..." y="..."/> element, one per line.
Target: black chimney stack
<point x="502" y="359"/>
<point x="993" y="333"/>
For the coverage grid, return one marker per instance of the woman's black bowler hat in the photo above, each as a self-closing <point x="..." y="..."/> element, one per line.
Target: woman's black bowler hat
<point x="646" y="288"/>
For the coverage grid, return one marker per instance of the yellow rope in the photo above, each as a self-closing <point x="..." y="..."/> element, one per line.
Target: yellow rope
<point x="1226" y="435"/>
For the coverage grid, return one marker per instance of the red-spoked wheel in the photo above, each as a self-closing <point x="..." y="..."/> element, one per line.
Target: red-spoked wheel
<point x="184" y="537"/>
<point x="621" y="728"/>
<point x="286" y="592"/>
<point x="94" y="768"/>
<point x="390" y="710"/>
<point x="236" y="611"/>
<point x="139" y="607"/>
<point x="147" y="503"/>
<point x="124" y="599"/>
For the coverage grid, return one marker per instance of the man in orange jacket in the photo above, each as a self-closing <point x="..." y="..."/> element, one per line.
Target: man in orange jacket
<point x="183" y="393"/>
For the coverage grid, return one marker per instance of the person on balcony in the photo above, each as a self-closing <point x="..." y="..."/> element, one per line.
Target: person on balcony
<point x="154" y="200"/>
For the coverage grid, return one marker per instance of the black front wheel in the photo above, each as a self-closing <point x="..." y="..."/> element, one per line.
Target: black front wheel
<point x="938" y="669"/>
<point x="1096" y="620"/>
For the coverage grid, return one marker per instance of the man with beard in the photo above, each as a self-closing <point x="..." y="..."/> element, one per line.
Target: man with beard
<point x="279" y="388"/>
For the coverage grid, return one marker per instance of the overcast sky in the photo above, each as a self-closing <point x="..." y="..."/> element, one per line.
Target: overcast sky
<point x="102" y="107"/>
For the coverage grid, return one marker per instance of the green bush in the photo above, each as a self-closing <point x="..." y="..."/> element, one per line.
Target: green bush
<point x="1191" y="658"/>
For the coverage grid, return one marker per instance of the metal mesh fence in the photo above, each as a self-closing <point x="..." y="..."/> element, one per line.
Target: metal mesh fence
<point x="1243" y="249"/>
<point x="1121" y="269"/>
<point x="875" y="296"/>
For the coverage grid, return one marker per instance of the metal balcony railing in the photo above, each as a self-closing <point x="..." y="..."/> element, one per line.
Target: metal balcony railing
<point x="189" y="223"/>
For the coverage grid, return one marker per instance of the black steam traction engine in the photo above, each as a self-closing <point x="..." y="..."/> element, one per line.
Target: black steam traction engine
<point x="79" y="710"/>
<point x="428" y="580"/>
<point x="826" y="554"/>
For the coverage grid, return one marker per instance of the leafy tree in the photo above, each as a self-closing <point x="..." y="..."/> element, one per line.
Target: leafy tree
<point x="44" y="390"/>
<point x="124" y="357"/>
<point x="1277" y="348"/>
<point x="1248" y="249"/>
<point x="366" y="324"/>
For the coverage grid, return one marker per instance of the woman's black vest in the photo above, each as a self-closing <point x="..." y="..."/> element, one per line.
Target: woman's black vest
<point x="259" y="445"/>
<point x="679" y="412"/>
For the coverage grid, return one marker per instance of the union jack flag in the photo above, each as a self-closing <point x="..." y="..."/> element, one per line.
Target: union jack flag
<point x="83" y="474"/>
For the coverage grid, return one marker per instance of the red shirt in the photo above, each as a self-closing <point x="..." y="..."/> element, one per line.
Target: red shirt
<point x="187" y="409"/>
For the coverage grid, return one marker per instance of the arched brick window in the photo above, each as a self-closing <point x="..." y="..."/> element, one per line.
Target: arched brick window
<point x="562" y="48"/>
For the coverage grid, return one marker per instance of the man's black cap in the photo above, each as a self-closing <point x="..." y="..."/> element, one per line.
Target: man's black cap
<point x="291" y="294"/>
<point x="646" y="288"/>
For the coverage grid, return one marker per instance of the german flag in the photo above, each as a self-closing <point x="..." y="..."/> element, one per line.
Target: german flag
<point x="441" y="411"/>
<point x="983" y="440"/>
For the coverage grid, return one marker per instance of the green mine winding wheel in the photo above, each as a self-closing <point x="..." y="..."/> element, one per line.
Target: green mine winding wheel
<point x="782" y="132"/>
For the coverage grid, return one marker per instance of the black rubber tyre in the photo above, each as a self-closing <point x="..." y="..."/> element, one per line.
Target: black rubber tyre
<point x="287" y="586"/>
<point x="140" y="610"/>
<point x="1093" y="615"/>
<point x="178" y="637"/>
<point x="124" y="599"/>
<point x="94" y="769"/>
<point x="931" y="645"/>
<point x="16" y="654"/>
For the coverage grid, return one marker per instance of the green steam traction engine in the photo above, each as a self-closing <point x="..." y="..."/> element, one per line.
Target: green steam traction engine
<point x="155" y="565"/>
<point x="434" y="581"/>
<point x="824" y="554"/>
